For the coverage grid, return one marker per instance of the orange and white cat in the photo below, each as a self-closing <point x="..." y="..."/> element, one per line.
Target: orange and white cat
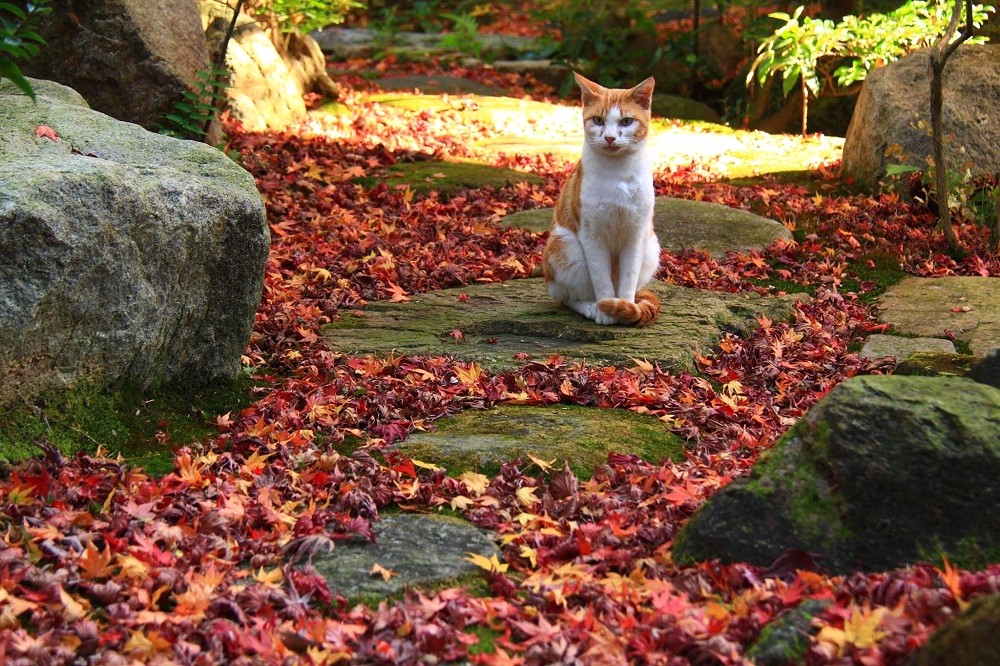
<point x="602" y="248"/>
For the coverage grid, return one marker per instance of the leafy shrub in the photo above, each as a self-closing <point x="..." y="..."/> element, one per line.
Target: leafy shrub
<point x="612" y="42"/>
<point x="19" y="39"/>
<point x="822" y="57"/>
<point x="303" y="16"/>
<point x="464" y="35"/>
<point x="192" y="115"/>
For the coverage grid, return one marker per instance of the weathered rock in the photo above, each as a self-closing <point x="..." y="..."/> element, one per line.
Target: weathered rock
<point x="935" y="364"/>
<point x="518" y="317"/>
<point x="686" y="224"/>
<point x="124" y="255"/>
<point x="968" y="307"/>
<point x="346" y="43"/>
<point x="418" y="549"/>
<point x="987" y="371"/>
<point x="544" y="71"/>
<point x="675" y="106"/>
<point x="262" y="92"/>
<point x="971" y="639"/>
<point x="307" y="65"/>
<point x="583" y="436"/>
<point x="785" y="640"/>
<point x="883" y="472"/>
<point x="130" y="59"/>
<point x="878" y="346"/>
<point x="895" y="97"/>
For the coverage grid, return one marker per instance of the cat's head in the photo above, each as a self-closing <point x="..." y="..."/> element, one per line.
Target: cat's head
<point x="615" y="120"/>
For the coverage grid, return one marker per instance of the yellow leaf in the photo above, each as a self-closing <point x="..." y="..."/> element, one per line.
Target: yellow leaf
<point x="526" y="495"/>
<point x="72" y="609"/>
<point x="132" y="567"/>
<point x="475" y="482"/>
<point x="489" y="564"/>
<point x="431" y="466"/>
<point x="546" y="465"/>
<point x="146" y="647"/>
<point x="861" y="629"/>
<point x="461" y="503"/>
<point x="530" y="554"/>
<point x="270" y="578"/>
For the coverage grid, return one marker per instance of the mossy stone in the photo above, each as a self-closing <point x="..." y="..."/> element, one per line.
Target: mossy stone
<point x="482" y="440"/>
<point x="450" y="178"/>
<point x="684" y="108"/>
<point x="503" y="322"/>
<point x="682" y="224"/>
<point x="969" y="307"/>
<point x="420" y="550"/>
<point x="884" y="472"/>
<point x="785" y="640"/>
<point x="971" y="639"/>
<point x="933" y="364"/>
<point x="878" y="346"/>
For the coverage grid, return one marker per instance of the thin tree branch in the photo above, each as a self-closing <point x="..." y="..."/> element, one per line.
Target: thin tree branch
<point x="220" y="62"/>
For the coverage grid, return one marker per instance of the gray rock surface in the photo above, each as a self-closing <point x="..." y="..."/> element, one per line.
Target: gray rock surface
<point x="680" y="224"/>
<point x="584" y="436"/>
<point x="124" y="255"/>
<point x="885" y="471"/>
<point x="987" y="370"/>
<point x="968" y="307"/>
<point x="417" y="549"/>
<point x="130" y="59"/>
<point x="518" y="317"/>
<point x="877" y="346"/>
<point x="895" y="97"/>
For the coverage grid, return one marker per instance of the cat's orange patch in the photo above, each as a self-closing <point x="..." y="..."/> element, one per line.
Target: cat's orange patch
<point x="567" y="211"/>
<point x="554" y="255"/>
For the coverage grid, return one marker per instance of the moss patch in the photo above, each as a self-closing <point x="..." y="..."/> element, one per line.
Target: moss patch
<point x="483" y="440"/>
<point x="120" y="421"/>
<point x="450" y="178"/>
<point x="933" y="364"/>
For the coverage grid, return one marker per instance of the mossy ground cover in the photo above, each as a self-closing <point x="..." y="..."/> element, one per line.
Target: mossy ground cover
<point x="145" y="428"/>
<point x="450" y="178"/>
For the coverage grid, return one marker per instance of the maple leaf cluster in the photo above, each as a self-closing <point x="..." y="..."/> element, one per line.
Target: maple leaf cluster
<point x="212" y="563"/>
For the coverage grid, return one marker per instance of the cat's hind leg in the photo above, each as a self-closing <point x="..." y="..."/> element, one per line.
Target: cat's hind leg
<point x="568" y="279"/>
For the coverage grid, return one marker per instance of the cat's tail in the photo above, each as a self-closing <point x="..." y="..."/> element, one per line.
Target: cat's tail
<point x="640" y="313"/>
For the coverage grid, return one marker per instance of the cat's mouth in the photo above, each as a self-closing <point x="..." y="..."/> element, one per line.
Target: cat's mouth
<point x="612" y="149"/>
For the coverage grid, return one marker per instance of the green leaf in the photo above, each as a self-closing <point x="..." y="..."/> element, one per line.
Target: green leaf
<point x="11" y="71"/>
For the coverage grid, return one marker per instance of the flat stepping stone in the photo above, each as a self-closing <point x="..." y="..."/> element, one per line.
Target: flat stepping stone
<point x="485" y="439"/>
<point x="879" y="346"/>
<point x="675" y="106"/>
<point x="968" y="307"/>
<point x="438" y="85"/>
<point x="417" y="549"/>
<point x="517" y="317"/>
<point x="682" y="224"/>
<point x="449" y="178"/>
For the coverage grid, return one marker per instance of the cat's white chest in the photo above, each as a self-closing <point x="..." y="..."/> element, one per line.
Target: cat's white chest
<point x="613" y="197"/>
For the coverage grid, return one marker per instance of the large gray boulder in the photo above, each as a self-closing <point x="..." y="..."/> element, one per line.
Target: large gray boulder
<point x="883" y="472"/>
<point x="130" y="59"/>
<point x="895" y="97"/>
<point x="124" y="255"/>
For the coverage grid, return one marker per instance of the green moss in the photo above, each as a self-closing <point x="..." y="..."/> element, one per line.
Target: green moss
<point x="963" y="347"/>
<point x="482" y="440"/>
<point x="120" y="421"/>
<point x="934" y="364"/>
<point x="968" y="553"/>
<point x="885" y="272"/>
<point x="474" y="584"/>
<point x="450" y="178"/>
<point x="487" y="639"/>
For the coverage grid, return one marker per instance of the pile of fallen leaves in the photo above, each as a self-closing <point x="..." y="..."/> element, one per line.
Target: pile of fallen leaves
<point x="103" y="563"/>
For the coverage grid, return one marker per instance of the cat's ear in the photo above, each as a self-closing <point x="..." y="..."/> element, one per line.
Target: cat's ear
<point x="589" y="90"/>
<point x="643" y="93"/>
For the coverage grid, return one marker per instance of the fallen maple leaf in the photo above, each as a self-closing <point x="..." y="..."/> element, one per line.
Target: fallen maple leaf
<point x="379" y="570"/>
<point x="44" y="131"/>
<point x="491" y="563"/>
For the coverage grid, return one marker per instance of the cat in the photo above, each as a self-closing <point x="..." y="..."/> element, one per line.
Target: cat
<point x="602" y="248"/>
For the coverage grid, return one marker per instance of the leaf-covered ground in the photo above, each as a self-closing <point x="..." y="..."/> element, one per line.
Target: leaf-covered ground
<point x="102" y="563"/>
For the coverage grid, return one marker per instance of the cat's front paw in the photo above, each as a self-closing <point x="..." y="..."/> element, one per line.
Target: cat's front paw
<point x="604" y="319"/>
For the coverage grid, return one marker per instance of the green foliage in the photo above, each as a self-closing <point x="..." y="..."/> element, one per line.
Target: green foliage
<point x="19" y="39"/>
<point x="192" y="114"/>
<point x="614" y="43"/>
<point x="464" y="35"/>
<point x="822" y="55"/>
<point x="305" y="16"/>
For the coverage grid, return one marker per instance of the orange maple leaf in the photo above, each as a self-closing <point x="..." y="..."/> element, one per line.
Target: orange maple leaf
<point x="94" y="563"/>
<point x="44" y="131"/>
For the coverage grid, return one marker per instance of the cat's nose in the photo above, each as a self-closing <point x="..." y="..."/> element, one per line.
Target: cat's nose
<point x="609" y="139"/>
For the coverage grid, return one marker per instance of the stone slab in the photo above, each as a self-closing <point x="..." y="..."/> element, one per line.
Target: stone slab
<point x="681" y="224"/>
<point x="518" y="317"/>
<point x="419" y="549"/>
<point x="437" y="85"/>
<point x="583" y="436"/>
<point x="879" y="346"/>
<point x="932" y="307"/>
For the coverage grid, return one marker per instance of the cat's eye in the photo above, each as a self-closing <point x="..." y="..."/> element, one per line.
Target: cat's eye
<point x="625" y="122"/>
<point x="597" y="120"/>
